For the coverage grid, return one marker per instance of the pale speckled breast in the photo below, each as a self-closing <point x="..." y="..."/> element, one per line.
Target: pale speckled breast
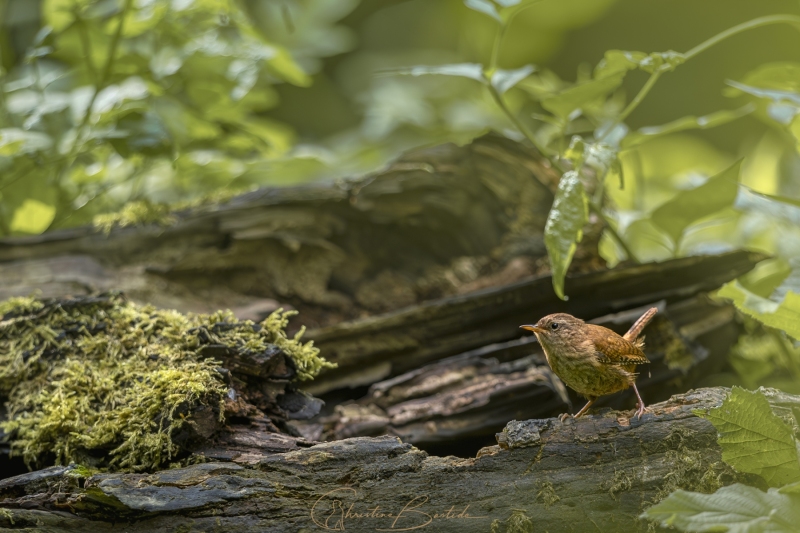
<point x="586" y="375"/>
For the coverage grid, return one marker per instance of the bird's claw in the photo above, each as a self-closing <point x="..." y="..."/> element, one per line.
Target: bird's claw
<point x="641" y="409"/>
<point x="564" y="416"/>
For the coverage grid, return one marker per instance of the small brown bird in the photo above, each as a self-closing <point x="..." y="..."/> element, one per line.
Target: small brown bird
<point x="592" y="359"/>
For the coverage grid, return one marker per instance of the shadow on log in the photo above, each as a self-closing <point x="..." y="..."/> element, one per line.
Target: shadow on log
<point x="600" y="471"/>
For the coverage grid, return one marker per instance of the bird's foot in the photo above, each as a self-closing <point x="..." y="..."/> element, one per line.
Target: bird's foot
<point x="641" y="409"/>
<point x="564" y="416"/>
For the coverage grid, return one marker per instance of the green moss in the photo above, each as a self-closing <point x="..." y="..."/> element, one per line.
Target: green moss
<point x="135" y="214"/>
<point x="143" y="212"/>
<point x="518" y="522"/>
<point x="104" y="382"/>
<point x="5" y="513"/>
<point x="621" y="482"/>
<point x="690" y="470"/>
<point x="20" y="305"/>
<point x="546" y="494"/>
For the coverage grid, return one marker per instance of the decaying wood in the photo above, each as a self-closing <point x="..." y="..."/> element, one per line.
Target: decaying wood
<point x="438" y="221"/>
<point x="463" y="400"/>
<point x="597" y="472"/>
<point x="373" y="349"/>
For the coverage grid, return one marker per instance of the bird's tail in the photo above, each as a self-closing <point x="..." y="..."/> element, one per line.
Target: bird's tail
<point x="638" y="326"/>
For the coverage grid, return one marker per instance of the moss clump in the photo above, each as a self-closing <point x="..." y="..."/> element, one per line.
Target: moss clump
<point x="518" y="522"/>
<point x="690" y="470"/>
<point x="104" y="382"/>
<point x="135" y="214"/>
<point x="546" y="494"/>
<point x="621" y="482"/>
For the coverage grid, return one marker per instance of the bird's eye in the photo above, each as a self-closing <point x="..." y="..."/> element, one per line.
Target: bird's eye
<point x="554" y="326"/>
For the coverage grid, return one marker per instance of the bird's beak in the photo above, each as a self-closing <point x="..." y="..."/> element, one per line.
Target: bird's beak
<point x="535" y="329"/>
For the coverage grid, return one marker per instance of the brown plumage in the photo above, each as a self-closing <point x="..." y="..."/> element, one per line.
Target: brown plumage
<point x="591" y="359"/>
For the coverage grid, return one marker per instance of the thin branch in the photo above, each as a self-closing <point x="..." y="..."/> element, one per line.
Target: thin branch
<point x="498" y="41"/>
<point x="749" y="25"/>
<point x="498" y="98"/>
<point x="596" y="209"/>
<point x="86" y="45"/>
<point x="639" y="96"/>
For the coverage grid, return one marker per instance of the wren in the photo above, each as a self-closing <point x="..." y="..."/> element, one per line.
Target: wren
<point x="591" y="359"/>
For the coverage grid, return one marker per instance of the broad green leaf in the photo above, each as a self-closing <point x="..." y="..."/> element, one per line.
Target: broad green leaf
<point x="784" y="316"/>
<point x="484" y="6"/>
<point x="564" y="228"/>
<point x="776" y="86"/>
<point x="767" y="276"/>
<point x="781" y="76"/>
<point x="754" y="439"/>
<point x="503" y="80"/>
<point x="735" y="509"/>
<point x="686" y="123"/>
<point x="563" y="103"/>
<point x="778" y="96"/>
<point x="687" y="207"/>
<point x="781" y="207"/>
<point x="473" y="71"/>
<point x="32" y="216"/>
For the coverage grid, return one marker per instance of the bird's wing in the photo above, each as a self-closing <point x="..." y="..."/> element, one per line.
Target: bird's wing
<point x="614" y="350"/>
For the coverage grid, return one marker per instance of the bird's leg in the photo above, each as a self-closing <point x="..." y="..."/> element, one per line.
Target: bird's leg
<point x="585" y="407"/>
<point x="640" y="406"/>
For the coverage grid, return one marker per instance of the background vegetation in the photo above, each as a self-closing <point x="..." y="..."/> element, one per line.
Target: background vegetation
<point x="675" y="122"/>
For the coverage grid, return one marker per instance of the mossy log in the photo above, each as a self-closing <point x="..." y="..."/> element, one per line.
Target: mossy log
<point x="594" y="473"/>
<point x="113" y="385"/>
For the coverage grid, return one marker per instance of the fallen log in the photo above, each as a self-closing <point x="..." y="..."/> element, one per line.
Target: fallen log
<point x="373" y="349"/>
<point x="455" y="405"/>
<point x="597" y="472"/>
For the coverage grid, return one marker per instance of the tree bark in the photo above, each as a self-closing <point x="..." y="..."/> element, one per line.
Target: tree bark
<point x="456" y="404"/>
<point x="597" y="472"/>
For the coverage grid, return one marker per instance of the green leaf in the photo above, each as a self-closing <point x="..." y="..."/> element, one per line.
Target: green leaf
<point x="736" y="509"/>
<point x="503" y="80"/>
<point x="687" y="207"/>
<point x="618" y="62"/>
<point x="621" y="61"/>
<point x="32" y="216"/>
<point x="754" y="439"/>
<point x="686" y="123"/>
<point x="473" y="71"/>
<point x="484" y="6"/>
<point x="781" y="207"/>
<point x="784" y="316"/>
<point x="564" y="228"/>
<point x="563" y="103"/>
